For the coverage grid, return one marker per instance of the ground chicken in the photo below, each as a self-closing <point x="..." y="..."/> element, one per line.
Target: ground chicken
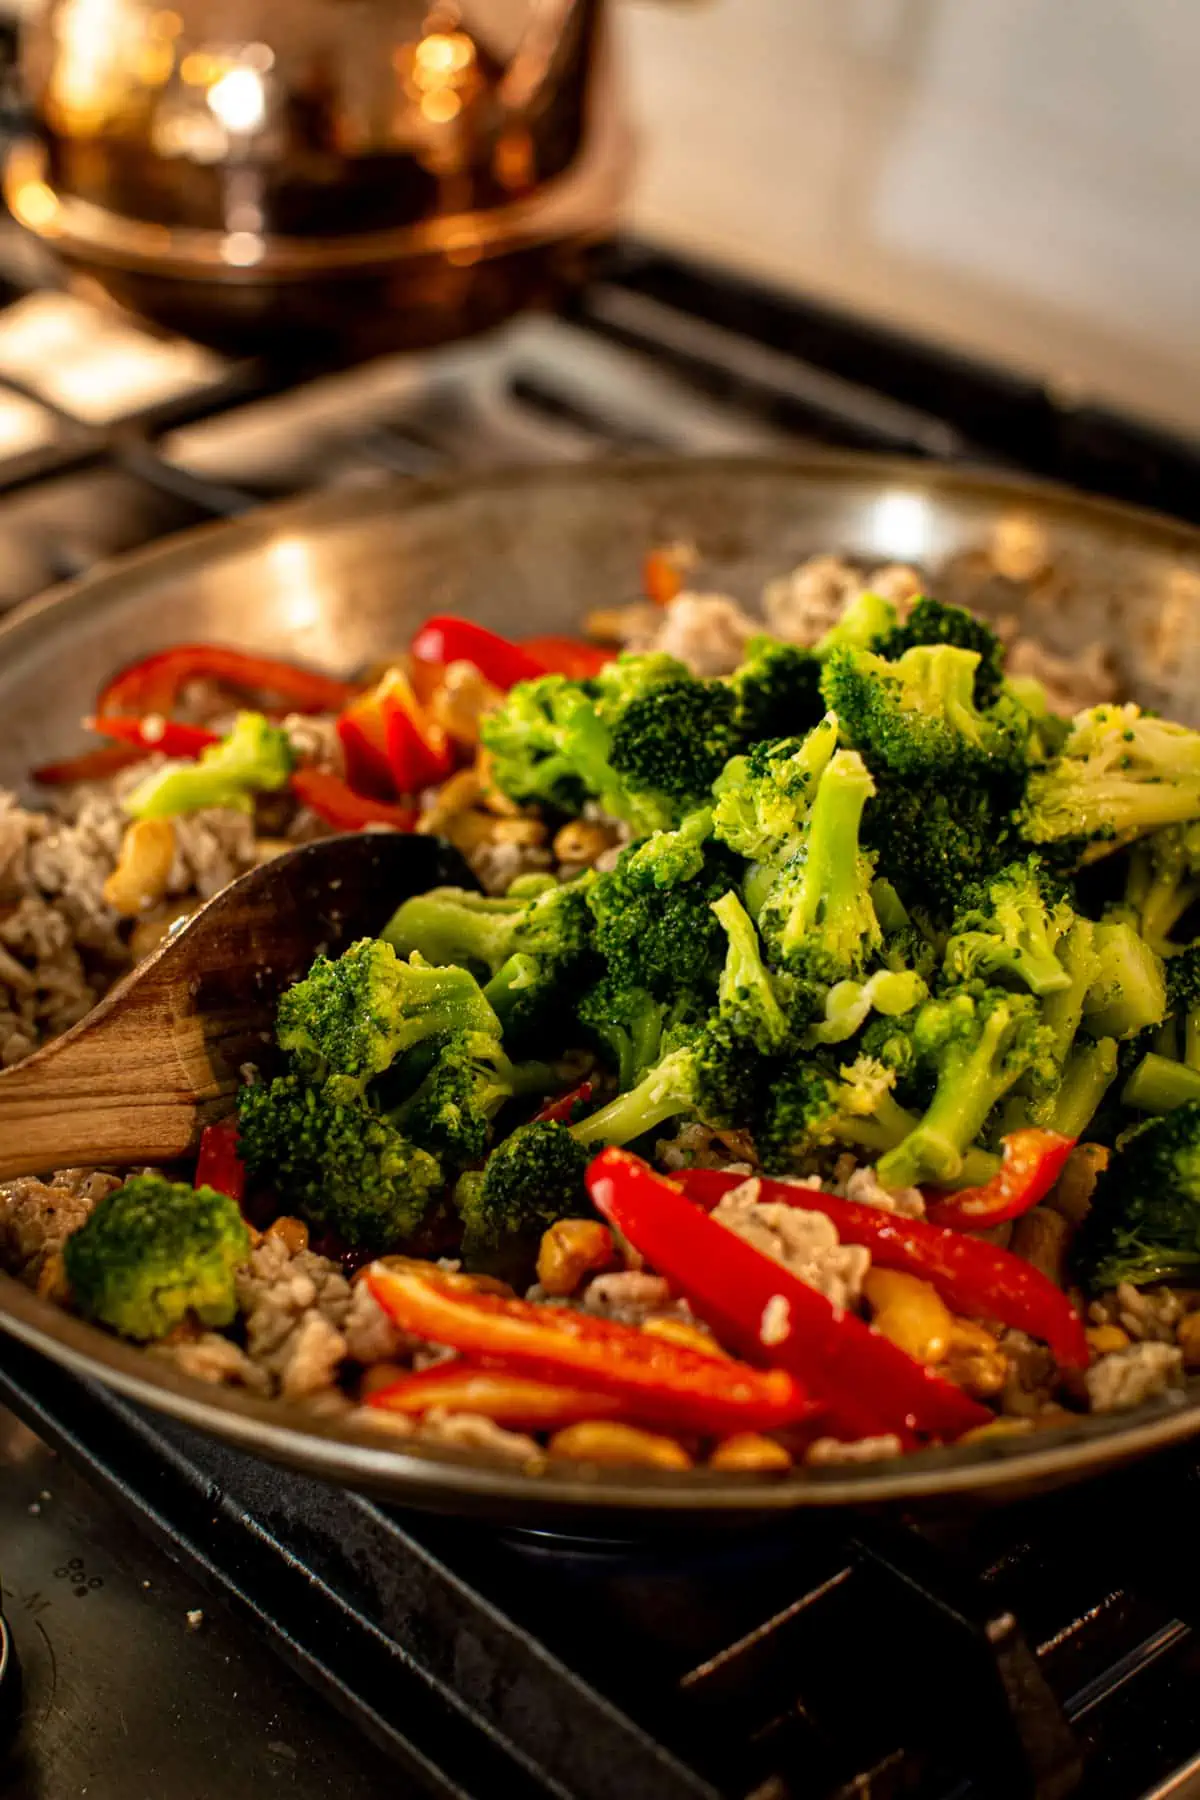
<point x="1125" y="1378"/>
<point x="629" y="1296"/>
<point x="37" y="1217"/>
<point x="218" y="1359"/>
<point x="806" y="1243"/>
<point x="865" y="1187"/>
<point x="803" y="605"/>
<point x="708" y="632"/>
<point x="369" y="1333"/>
<point x="295" y="1304"/>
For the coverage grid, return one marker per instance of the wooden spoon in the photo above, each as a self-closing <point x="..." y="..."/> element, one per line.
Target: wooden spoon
<point x="160" y="1056"/>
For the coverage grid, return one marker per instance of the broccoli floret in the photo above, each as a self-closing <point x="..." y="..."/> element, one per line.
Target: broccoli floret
<point x="154" y="1252"/>
<point x="1122" y="774"/>
<point x="931" y="839"/>
<point x="557" y="741"/>
<point x="1143" y="1224"/>
<point x="1129" y="992"/>
<point x="817" y="919"/>
<point x="746" y="992"/>
<point x="763" y="798"/>
<point x="974" y="1043"/>
<point x="778" y="690"/>
<point x="675" y="740"/>
<point x="653" y="914"/>
<point x="909" y="940"/>
<point x="931" y="622"/>
<point x="452" y="1111"/>
<point x="810" y="1108"/>
<point x="352" y="1016"/>
<point x="255" y="758"/>
<point x="917" y="717"/>
<point x="533" y="1178"/>
<point x="711" y="1071"/>
<point x="865" y="619"/>
<point x="1163" y="883"/>
<point x="535" y="948"/>
<point x="1010" y="926"/>
<point x="336" y="1162"/>
<point x="626" y="1025"/>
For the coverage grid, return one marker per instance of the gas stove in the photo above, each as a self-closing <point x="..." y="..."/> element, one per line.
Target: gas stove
<point x="183" y="1622"/>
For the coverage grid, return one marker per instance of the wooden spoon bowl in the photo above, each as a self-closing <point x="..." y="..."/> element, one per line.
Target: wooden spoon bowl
<point x="160" y="1057"/>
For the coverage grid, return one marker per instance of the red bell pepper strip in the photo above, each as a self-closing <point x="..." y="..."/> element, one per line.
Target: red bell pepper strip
<point x="154" y="733"/>
<point x="868" y="1385"/>
<point x="153" y="684"/>
<point x="447" y="639"/>
<point x="655" y="1380"/>
<point x="562" y="1110"/>
<point x="419" y="753"/>
<point x="514" y="1401"/>
<point x="218" y="1165"/>
<point x="92" y="765"/>
<point x="974" y="1278"/>
<point x="335" y="801"/>
<point x="1032" y="1163"/>
<point x="567" y="655"/>
<point x="390" y="744"/>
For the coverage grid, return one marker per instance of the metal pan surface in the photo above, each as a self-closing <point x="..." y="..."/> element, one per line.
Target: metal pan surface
<point x="339" y="580"/>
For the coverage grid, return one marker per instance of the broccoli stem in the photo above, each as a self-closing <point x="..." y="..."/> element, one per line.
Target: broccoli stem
<point x="970" y="1081"/>
<point x="454" y="929"/>
<point x="1159" y="1085"/>
<point x="1087" y="1077"/>
<point x="1063" y="1010"/>
<point x="1129" y="994"/>
<point x="830" y="889"/>
<point x="744" y="979"/>
<point x="661" y="1095"/>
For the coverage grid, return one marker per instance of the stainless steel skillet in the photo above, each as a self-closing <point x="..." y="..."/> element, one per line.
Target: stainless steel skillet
<point x="340" y="580"/>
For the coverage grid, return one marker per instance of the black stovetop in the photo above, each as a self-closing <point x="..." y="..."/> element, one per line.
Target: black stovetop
<point x="1039" y="1650"/>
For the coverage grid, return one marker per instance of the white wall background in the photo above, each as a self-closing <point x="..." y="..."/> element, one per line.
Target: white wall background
<point x="1016" y="177"/>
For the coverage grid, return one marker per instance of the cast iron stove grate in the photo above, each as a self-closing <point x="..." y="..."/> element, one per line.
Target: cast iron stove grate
<point x="815" y="1659"/>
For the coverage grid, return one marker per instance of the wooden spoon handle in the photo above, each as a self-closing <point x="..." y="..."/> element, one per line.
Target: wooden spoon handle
<point x="105" y="1096"/>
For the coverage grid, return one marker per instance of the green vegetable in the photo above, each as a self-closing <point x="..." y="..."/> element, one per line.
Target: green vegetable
<point x="536" y="948"/>
<point x="865" y="620"/>
<point x="454" y="1109"/>
<point x="255" y="758"/>
<point x="653" y="912"/>
<point x="336" y="1162"/>
<point x="1122" y="774"/>
<point x="1129" y="993"/>
<point x="711" y="1073"/>
<point x="533" y="1178"/>
<point x="352" y="1016"/>
<point x="1010" y="926"/>
<point x="974" y="1043"/>
<point x="1163" y="883"/>
<point x="763" y="798"/>
<point x="917" y="717"/>
<point x="777" y="689"/>
<point x="1143" y="1225"/>
<point x="931" y="622"/>
<point x="817" y="919"/>
<point x="155" y="1252"/>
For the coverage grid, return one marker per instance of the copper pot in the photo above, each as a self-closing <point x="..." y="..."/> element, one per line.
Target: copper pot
<point x="311" y="175"/>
